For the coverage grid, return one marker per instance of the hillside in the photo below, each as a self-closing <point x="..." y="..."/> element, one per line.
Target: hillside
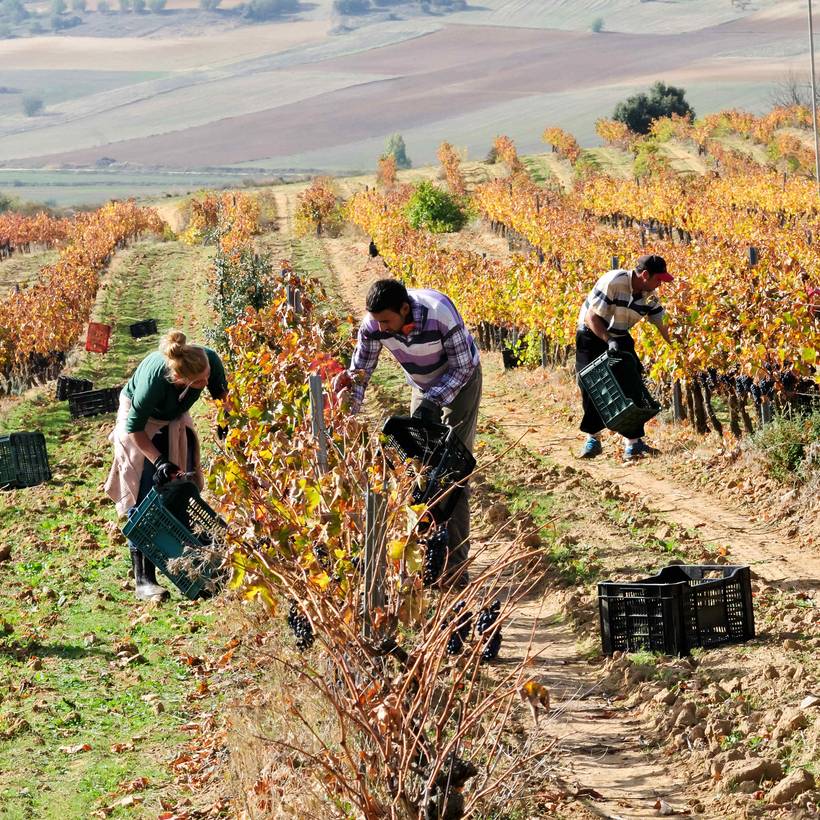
<point x="295" y="95"/>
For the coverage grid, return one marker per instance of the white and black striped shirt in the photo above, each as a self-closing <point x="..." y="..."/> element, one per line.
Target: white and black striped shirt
<point x="613" y="300"/>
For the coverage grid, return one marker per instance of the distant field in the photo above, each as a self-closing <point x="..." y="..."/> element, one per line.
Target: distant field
<point x="63" y="188"/>
<point x="292" y="96"/>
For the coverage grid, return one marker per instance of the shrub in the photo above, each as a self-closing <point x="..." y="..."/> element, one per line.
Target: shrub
<point x="434" y="210"/>
<point x="32" y="106"/>
<point x="157" y="6"/>
<point x="79" y="5"/>
<point x="125" y="6"/>
<point x="138" y="6"/>
<point x="785" y="446"/>
<point x="640" y="110"/>
<point x="597" y="25"/>
<point x="58" y="6"/>
<point x="209" y="5"/>
<point x="103" y="7"/>
<point x="268" y="9"/>
<point x="351" y="6"/>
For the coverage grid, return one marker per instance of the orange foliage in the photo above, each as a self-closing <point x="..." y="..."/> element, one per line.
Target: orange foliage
<point x="450" y="163"/>
<point x="49" y="316"/>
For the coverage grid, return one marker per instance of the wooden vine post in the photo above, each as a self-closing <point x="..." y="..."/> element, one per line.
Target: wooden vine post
<point x="375" y="545"/>
<point x="317" y="417"/>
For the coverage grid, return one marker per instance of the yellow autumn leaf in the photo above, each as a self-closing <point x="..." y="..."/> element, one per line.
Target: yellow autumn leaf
<point x="395" y="549"/>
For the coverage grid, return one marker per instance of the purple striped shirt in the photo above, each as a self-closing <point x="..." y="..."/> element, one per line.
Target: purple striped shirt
<point x="438" y="356"/>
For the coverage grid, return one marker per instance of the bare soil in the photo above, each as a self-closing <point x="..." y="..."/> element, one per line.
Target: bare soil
<point x="624" y="750"/>
<point x="427" y="79"/>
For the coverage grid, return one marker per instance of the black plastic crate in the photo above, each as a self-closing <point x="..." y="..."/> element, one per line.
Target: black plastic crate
<point x="148" y="327"/>
<point x="94" y="402"/>
<point x="23" y="460"/>
<point x="439" y="451"/>
<point x="680" y="608"/>
<point x="68" y="386"/>
<point x="617" y="411"/>
<point x="182" y="536"/>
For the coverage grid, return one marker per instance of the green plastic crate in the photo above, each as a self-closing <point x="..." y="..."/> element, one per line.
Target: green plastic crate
<point x="23" y="460"/>
<point x="618" y="412"/>
<point x="172" y="522"/>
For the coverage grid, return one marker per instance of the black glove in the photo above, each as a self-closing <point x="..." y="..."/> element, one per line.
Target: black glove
<point x="164" y="471"/>
<point x="428" y="411"/>
<point x="221" y="431"/>
<point x="612" y="346"/>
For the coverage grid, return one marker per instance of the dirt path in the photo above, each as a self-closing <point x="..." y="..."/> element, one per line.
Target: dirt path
<point x="601" y="741"/>
<point x="597" y="748"/>
<point x="518" y="400"/>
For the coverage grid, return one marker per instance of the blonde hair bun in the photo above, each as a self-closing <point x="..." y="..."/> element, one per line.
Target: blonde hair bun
<point x="181" y="359"/>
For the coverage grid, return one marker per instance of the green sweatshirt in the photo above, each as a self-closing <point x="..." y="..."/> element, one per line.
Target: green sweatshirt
<point x="153" y="396"/>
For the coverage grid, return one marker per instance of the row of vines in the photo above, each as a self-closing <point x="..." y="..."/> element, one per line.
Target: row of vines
<point x="744" y="305"/>
<point x="385" y="715"/>
<point x="41" y="321"/>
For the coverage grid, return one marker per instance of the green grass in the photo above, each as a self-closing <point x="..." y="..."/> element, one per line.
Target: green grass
<point x="93" y="187"/>
<point x="66" y="599"/>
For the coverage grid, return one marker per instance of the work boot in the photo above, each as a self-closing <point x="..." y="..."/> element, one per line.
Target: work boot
<point x="145" y="578"/>
<point x="639" y="449"/>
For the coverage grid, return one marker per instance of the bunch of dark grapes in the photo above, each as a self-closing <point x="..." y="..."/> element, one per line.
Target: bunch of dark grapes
<point x="462" y="625"/>
<point x="322" y="556"/>
<point x="300" y="625"/>
<point x="484" y="626"/>
<point x="744" y="385"/>
<point x="435" y="556"/>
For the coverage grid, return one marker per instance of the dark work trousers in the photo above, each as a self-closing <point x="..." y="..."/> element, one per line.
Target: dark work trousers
<point x="160" y="441"/>
<point x="461" y="416"/>
<point x="627" y="370"/>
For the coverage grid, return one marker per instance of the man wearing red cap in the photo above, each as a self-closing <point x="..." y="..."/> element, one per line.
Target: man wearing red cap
<point x="619" y="300"/>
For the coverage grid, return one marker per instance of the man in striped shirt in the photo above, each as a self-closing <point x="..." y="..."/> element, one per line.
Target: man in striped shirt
<point x="619" y="300"/>
<point x="428" y="338"/>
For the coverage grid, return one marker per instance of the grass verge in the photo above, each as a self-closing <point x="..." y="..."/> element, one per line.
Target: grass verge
<point x="94" y="689"/>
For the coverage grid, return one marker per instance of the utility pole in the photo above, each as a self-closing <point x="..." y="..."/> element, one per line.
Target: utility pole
<point x="814" y="103"/>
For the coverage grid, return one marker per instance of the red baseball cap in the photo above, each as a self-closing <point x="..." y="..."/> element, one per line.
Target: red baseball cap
<point x="655" y="265"/>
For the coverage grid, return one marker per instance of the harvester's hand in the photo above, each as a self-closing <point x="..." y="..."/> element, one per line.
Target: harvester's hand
<point x="164" y="471"/>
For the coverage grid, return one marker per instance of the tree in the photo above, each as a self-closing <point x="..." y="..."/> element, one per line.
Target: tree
<point x="396" y="147"/>
<point x="103" y="7"/>
<point x="639" y="110"/>
<point x="268" y="9"/>
<point x="13" y="11"/>
<point x="157" y="6"/>
<point x="139" y="6"/>
<point x="597" y="25"/>
<point x="793" y="88"/>
<point x="209" y="5"/>
<point x="58" y="6"/>
<point x="125" y="6"/>
<point x="32" y="106"/>
<point x="351" y="6"/>
<point x="78" y="5"/>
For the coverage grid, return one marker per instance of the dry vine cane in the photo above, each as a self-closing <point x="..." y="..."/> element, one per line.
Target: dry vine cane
<point x="392" y="725"/>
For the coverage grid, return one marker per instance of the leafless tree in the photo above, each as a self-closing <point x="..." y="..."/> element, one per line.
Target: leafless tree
<point x="794" y="88"/>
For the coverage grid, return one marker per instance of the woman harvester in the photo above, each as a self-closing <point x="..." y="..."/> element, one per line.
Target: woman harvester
<point x="155" y="434"/>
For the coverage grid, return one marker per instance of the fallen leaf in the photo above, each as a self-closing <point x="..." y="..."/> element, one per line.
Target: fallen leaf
<point x="74" y="750"/>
